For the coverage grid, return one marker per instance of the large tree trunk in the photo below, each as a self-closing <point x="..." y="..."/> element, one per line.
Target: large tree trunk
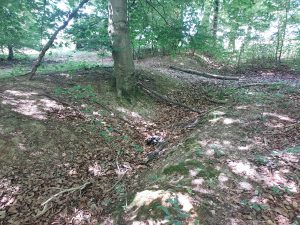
<point x="53" y="37"/>
<point x="124" y="79"/>
<point x="216" y="18"/>
<point x="10" y="53"/>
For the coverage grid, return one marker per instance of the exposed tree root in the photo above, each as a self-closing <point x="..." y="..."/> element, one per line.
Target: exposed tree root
<point x="203" y="74"/>
<point x="70" y="190"/>
<point x="166" y="99"/>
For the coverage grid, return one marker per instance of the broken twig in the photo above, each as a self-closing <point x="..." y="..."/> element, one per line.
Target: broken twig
<point x="70" y="190"/>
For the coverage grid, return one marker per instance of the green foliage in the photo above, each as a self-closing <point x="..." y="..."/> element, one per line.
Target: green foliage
<point x="260" y="160"/>
<point x="174" y="213"/>
<point x="276" y="190"/>
<point x="295" y="150"/>
<point x="280" y="190"/>
<point x="89" y="31"/>
<point x="250" y="32"/>
<point x="183" y="168"/>
<point x="252" y="205"/>
<point x="137" y="148"/>
<point x="17" y="24"/>
<point x="77" y="92"/>
<point x="70" y="67"/>
<point x="179" y="168"/>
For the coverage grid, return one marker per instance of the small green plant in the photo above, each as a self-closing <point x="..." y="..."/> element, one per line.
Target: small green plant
<point x="17" y="70"/>
<point x="280" y="190"/>
<point x="218" y="153"/>
<point x="137" y="148"/>
<point x="106" y="136"/>
<point x="174" y="213"/>
<point x="295" y="150"/>
<point x="252" y="205"/>
<point x="153" y="177"/>
<point x="276" y="190"/>
<point x="260" y="160"/>
<point x="77" y="92"/>
<point x="199" y="152"/>
<point x="120" y="189"/>
<point x="179" y="168"/>
<point x="203" y="170"/>
<point x="70" y="67"/>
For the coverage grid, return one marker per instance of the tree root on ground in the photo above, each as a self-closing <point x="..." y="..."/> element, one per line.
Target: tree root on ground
<point x="166" y="99"/>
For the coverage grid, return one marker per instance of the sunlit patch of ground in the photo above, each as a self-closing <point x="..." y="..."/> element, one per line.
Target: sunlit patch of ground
<point x="170" y="204"/>
<point x="30" y="104"/>
<point x="257" y="184"/>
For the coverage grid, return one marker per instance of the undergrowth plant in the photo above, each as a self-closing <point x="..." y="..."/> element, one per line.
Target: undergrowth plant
<point x="174" y="213"/>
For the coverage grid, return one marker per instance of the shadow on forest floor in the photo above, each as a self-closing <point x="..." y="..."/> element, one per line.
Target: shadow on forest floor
<point x="238" y="163"/>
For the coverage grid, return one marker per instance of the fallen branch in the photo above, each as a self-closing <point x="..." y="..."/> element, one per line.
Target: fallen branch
<point x="70" y="190"/>
<point x="255" y="84"/>
<point x="203" y="74"/>
<point x="166" y="99"/>
<point x="215" y="100"/>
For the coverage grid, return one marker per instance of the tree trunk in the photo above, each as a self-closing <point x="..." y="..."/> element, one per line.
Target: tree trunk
<point x="53" y="37"/>
<point x="215" y="18"/>
<point x="244" y="45"/>
<point x="277" y="42"/>
<point x="124" y="79"/>
<point x="10" y="53"/>
<point x="287" y="9"/>
<point x="43" y="23"/>
<point x="206" y="14"/>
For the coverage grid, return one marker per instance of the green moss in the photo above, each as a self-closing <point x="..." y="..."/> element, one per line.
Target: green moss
<point x="208" y="172"/>
<point x="184" y="167"/>
<point x="193" y="163"/>
<point x="151" y="210"/>
<point x="179" y="168"/>
<point x="191" y="144"/>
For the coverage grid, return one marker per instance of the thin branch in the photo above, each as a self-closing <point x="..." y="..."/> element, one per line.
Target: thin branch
<point x="159" y="13"/>
<point x="109" y="190"/>
<point x="70" y="190"/>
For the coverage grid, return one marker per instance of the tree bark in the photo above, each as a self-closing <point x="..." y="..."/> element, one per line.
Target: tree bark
<point x="10" y="53"/>
<point x="216" y="18"/>
<point x="244" y="45"/>
<point x="287" y="9"/>
<point x="53" y="37"/>
<point x="124" y="78"/>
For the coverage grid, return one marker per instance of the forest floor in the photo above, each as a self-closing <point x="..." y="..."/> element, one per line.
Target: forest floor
<point x="73" y="153"/>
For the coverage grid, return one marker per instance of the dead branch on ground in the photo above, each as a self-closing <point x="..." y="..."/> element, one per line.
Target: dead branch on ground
<point x="69" y="190"/>
<point x="203" y="74"/>
<point x="254" y="84"/>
